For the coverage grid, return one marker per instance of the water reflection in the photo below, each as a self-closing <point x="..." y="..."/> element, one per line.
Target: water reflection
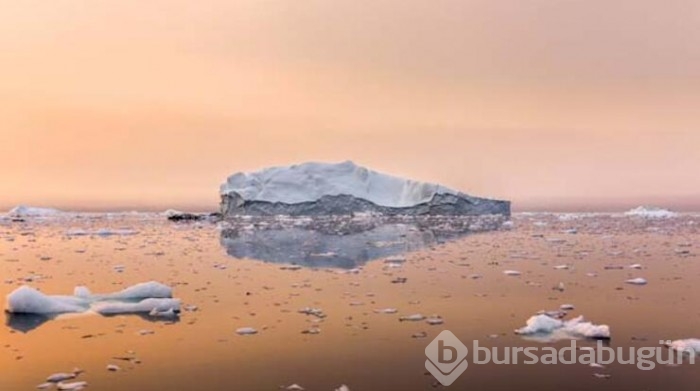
<point x="321" y="248"/>
<point x="25" y="323"/>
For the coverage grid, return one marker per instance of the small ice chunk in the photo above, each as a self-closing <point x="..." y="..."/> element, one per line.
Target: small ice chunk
<point x="113" y="368"/>
<point x="74" y="386"/>
<point x="434" y="320"/>
<point x="512" y="273"/>
<point x="59" y="377"/>
<point x="343" y="388"/>
<point x="566" y="307"/>
<point x="412" y="318"/>
<point x="690" y="345"/>
<point x="561" y="267"/>
<point x="294" y="387"/>
<point x="636" y="281"/>
<point x="246" y="331"/>
<point x="635" y="266"/>
<point x="387" y="311"/>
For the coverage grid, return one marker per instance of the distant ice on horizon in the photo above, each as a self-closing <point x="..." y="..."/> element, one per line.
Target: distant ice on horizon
<point x="652" y="212"/>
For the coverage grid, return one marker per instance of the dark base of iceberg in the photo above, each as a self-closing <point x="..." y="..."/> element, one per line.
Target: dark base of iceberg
<point x="232" y="204"/>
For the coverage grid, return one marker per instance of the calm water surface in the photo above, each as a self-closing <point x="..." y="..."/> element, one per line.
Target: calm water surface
<point x="356" y="346"/>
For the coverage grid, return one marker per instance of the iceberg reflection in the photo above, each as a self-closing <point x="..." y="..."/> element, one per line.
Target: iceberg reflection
<point x="323" y="248"/>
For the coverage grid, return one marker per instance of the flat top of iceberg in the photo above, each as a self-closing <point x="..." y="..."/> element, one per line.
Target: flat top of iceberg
<point x="309" y="182"/>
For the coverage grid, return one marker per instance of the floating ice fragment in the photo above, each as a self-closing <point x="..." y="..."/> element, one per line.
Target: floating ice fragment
<point x="546" y="328"/>
<point x="343" y="388"/>
<point x="246" y="331"/>
<point x="412" y="318"/>
<point x="387" y="311"/>
<point x="566" y="307"/>
<point x="74" y="386"/>
<point x="317" y="312"/>
<point x="59" y="377"/>
<point x="294" y="387"/>
<point x="434" y="321"/>
<point x="512" y="273"/>
<point x="636" y="281"/>
<point x="635" y="266"/>
<point x="113" y="368"/>
<point x="690" y="345"/>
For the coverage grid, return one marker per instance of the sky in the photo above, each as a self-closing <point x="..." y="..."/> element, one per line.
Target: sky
<point x="553" y="104"/>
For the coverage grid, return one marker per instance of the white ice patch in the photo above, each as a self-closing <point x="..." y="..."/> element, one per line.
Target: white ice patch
<point x="544" y="328"/>
<point x="651" y="212"/>
<point x="309" y="182"/>
<point x="146" y="297"/>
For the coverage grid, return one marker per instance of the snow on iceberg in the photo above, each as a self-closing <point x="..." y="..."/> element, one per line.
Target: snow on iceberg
<point x="140" y="298"/>
<point x="651" y="212"/>
<point x="309" y="182"/>
<point x="545" y="328"/>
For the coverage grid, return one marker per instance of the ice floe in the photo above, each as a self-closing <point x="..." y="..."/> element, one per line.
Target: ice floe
<point x="545" y="328"/>
<point x="690" y="345"/>
<point x="636" y="281"/>
<point x="149" y="297"/>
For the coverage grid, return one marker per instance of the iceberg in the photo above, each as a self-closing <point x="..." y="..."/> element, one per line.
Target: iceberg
<point x="342" y="189"/>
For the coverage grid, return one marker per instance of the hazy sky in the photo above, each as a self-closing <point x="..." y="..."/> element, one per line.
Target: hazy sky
<point x="549" y="103"/>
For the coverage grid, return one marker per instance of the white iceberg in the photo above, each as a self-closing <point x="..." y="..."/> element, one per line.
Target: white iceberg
<point x="651" y="212"/>
<point x="342" y="189"/>
<point x="544" y="328"/>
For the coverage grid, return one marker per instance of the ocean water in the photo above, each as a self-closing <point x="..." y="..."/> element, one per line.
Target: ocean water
<point x="245" y="280"/>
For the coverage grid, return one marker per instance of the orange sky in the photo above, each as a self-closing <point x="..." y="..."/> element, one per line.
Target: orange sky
<point x="550" y="103"/>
